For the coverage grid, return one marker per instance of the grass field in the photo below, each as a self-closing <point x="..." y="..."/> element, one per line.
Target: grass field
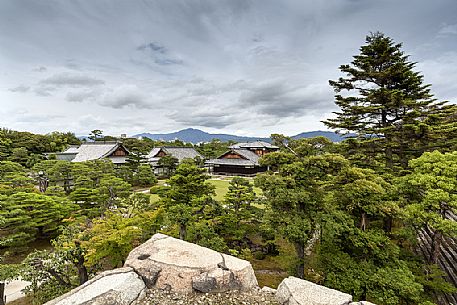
<point x="221" y="188"/>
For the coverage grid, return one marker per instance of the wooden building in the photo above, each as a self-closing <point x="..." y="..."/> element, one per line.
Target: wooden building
<point x="241" y="159"/>
<point x="180" y="153"/>
<point x="114" y="151"/>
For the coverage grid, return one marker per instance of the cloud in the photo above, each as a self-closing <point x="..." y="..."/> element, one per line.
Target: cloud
<point x="125" y="95"/>
<point x="64" y="81"/>
<point x="37" y="118"/>
<point x="204" y="116"/>
<point x="67" y="79"/>
<point x="231" y="65"/>
<point x="44" y="90"/>
<point x="40" y="69"/>
<point x="448" y="29"/>
<point x="81" y="96"/>
<point x="21" y="89"/>
<point x="159" y="54"/>
<point x="282" y="100"/>
<point x="154" y="47"/>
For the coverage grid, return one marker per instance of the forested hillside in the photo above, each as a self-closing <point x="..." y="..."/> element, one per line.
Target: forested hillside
<point x="345" y="215"/>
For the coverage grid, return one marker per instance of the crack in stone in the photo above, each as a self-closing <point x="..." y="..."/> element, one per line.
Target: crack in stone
<point x="222" y="264"/>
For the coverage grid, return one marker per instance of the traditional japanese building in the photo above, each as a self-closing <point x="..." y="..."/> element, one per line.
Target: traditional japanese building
<point x="180" y="153"/>
<point x="241" y="159"/>
<point x="114" y="151"/>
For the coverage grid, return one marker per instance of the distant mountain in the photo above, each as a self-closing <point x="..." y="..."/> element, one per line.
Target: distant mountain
<point x="192" y="135"/>
<point x="334" y="137"/>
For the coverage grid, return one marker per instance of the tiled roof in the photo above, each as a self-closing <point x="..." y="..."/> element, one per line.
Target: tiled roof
<point x="179" y="153"/>
<point x="250" y="158"/>
<point x="153" y="153"/>
<point x="255" y="144"/>
<point x="71" y="150"/>
<point x="94" y="151"/>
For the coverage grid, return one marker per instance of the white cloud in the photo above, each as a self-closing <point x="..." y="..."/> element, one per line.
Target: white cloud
<point x="125" y="95"/>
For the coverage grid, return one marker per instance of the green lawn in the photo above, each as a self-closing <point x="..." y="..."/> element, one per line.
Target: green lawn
<point x="221" y="188"/>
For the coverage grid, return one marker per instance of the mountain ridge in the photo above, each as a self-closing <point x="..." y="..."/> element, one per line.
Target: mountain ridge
<point x="195" y="136"/>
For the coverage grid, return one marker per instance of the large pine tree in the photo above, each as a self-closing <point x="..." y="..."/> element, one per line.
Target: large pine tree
<point x="384" y="102"/>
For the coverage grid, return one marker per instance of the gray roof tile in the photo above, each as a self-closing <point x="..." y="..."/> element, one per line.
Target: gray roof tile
<point x="179" y="153"/>
<point x="255" y="144"/>
<point x="94" y="151"/>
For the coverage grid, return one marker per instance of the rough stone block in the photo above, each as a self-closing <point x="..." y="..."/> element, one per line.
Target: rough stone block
<point x="295" y="291"/>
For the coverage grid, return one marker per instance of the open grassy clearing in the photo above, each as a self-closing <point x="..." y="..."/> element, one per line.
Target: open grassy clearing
<point x="221" y="188"/>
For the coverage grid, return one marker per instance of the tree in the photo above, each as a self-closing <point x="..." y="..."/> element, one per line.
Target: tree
<point x="124" y="172"/>
<point x="135" y="158"/>
<point x="386" y="104"/>
<point x="239" y="196"/>
<point x="111" y="190"/>
<point x="28" y="216"/>
<point x="88" y="200"/>
<point x="95" y="134"/>
<point x="187" y="193"/>
<point x="52" y="273"/>
<point x="214" y="148"/>
<point x="295" y="198"/>
<point x="238" y="213"/>
<point x="59" y="172"/>
<point x="110" y="239"/>
<point x="365" y="196"/>
<point x="430" y="192"/>
<point x="13" y="178"/>
<point x="169" y="163"/>
<point x="19" y="155"/>
<point x="144" y="176"/>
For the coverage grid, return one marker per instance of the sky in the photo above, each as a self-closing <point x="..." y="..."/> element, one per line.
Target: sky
<point x="248" y="67"/>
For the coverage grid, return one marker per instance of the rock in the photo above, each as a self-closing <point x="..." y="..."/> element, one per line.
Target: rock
<point x="149" y="276"/>
<point x="184" y="266"/>
<point x="295" y="291"/>
<point x="204" y="283"/>
<point x="116" y="287"/>
<point x="266" y="289"/>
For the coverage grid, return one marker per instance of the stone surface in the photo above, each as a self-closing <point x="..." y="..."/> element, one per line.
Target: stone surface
<point x="233" y="297"/>
<point x="295" y="291"/>
<point x="13" y="290"/>
<point x="116" y="287"/>
<point x="204" y="283"/>
<point x="266" y="289"/>
<point x="181" y="263"/>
